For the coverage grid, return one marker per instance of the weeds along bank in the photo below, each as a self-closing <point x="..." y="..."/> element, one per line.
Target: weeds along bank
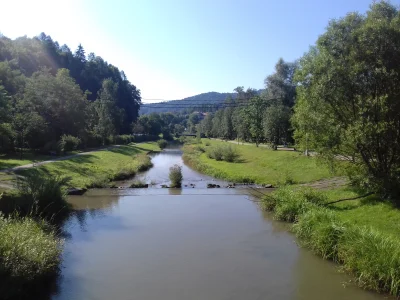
<point x="30" y="246"/>
<point x="368" y="249"/>
<point x="249" y="164"/>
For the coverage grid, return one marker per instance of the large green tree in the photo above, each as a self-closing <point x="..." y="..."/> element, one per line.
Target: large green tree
<point x="348" y="95"/>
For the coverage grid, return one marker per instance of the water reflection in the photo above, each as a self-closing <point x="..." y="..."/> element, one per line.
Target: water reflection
<point x="153" y="245"/>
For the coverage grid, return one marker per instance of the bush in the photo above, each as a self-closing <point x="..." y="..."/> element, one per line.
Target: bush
<point x="123" y="139"/>
<point x="70" y="143"/>
<point x="175" y="176"/>
<point x="223" y="152"/>
<point x="162" y="143"/>
<point x="93" y="140"/>
<point x="29" y="251"/>
<point x="53" y="146"/>
<point x="207" y="143"/>
<point x="42" y="195"/>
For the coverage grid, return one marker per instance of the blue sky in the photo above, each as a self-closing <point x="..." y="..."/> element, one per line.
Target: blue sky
<point x="179" y="48"/>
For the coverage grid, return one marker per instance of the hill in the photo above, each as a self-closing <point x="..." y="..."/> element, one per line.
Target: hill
<point x="204" y="101"/>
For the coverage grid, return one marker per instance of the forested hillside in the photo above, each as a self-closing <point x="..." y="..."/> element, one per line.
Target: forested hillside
<point x="204" y="101"/>
<point x="49" y="94"/>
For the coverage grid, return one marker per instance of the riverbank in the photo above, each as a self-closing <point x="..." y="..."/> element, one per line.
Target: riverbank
<point x="361" y="235"/>
<point x="29" y="246"/>
<point x="256" y="165"/>
<point x="97" y="169"/>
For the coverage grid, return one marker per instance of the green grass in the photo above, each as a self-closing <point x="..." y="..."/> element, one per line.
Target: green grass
<point x="258" y="165"/>
<point x="97" y="168"/>
<point x="362" y="235"/>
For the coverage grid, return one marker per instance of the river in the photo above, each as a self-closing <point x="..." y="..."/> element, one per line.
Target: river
<point x="191" y="243"/>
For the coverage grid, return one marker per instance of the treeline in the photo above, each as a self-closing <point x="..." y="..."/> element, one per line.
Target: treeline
<point x="51" y="96"/>
<point x="341" y="99"/>
<point x="255" y="117"/>
<point x="168" y="124"/>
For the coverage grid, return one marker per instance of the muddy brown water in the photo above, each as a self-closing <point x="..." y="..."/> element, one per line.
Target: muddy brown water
<point x="193" y="243"/>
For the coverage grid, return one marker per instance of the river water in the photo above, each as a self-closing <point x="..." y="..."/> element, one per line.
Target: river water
<point x="193" y="243"/>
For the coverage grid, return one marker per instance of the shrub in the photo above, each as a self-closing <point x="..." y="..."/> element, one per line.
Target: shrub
<point x="138" y="184"/>
<point x="124" y="139"/>
<point x="70" y="143"/>
<point x="175" y="176"/>
<point x="29" y="251"/>
<point x="53" y="146"/>
<point x="223" y="152"/>
<point x="207" y="143"/>
<point x="199" y="148"/>
<point x="42" y="195"/>
<point x="162" y="143"/>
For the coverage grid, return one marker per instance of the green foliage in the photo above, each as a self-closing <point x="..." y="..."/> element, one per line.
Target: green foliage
<point x="42" y="98"/>
<point x="30" y="252"/>
<point x="220" y="152"/>
<point x="124" y="139"/>
<point x="175" y="176"/>
<point x="70" y="143"/>
<point x="42" y="195"/>
<point x="162" y="143"/>
<point x="288" y="203"/>
<point x="348" y="90"/>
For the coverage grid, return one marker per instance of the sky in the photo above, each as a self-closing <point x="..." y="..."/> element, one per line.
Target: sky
<point x="171" y="49"/>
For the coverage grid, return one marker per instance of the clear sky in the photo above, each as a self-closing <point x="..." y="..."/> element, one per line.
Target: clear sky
<point x="171" y="49"/>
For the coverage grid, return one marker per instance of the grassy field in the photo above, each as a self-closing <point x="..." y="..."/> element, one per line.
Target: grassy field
<point x="368" y="211"/>
<point x="258" y="165"/>
<point x="100" y="167"/>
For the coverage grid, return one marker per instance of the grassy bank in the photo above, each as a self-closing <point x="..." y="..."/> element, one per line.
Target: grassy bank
<point x="361" y="235"/>
<point x="257" y="165"/>
<point x="98" y="168"/>
<point x="30" y="256"/>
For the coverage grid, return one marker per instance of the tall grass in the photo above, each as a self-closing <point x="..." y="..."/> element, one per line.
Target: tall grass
<point x="288" y="203"/>
<point x="41" y="195"/>
<point x="372" y="256"/>
<point x="29" y="253"/>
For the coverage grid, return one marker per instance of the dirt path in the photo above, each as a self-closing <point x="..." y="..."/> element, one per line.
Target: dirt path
<point x="328" y="183"/>
<point x="54" y="160"/>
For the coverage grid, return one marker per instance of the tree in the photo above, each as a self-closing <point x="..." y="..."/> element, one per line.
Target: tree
<point x="255" y="116"/>
<point x="276" y="124"/>
<point x="58" y="100"/>
<point x="350" y="85"/>
<point x="280" y="85"/>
